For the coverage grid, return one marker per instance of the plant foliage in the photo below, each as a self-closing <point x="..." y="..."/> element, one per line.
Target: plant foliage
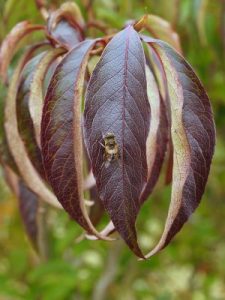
<point x="102" y="113"/>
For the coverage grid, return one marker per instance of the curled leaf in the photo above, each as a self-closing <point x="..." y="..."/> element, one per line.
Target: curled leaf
<point x="35" y="101"/>
<point x="25" y="123"/>
<point x="61" y="134"/>
<point x="28" y="203"/>
<point x="65" y="25"/>
<point x="10" y="44"/>
<point x="117" y="104"/>
<point x="193" y="138"/>
<point x="161" y="29"/>
<point x="158" y="135"/>
<point x="16" y="145"/>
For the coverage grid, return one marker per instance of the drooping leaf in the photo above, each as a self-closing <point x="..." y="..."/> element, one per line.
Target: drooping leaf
<point x="16" y="145"/>
<point x="161" y="29"/>
<point x="193" y="138"/>
<point x="36" y="95"/>
<point x="156" y="66"/>
<point x="10" y="44"/>
<point x="65" y="25"/>
<point x="61" y="134"/>
<point x="28" y="203"/>
<point x="69" y="11"/>
<point x="117" y="103"/>
<point x="49" y="74"/>
<point x="65" y="35"/>
<point x="25" y="123"/>
<point x="158" y="134"/>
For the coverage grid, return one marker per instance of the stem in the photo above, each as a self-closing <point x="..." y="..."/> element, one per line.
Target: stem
<point x="100" y="291"/>
<point x="141" y="24"/>
<point x="41" y="6"/>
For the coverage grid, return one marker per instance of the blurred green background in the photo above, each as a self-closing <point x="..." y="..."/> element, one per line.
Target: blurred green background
<point x="193" y="266"/>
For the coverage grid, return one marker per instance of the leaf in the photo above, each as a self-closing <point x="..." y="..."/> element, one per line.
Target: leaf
<point x="65" y="35"/>
<point x="69" y="11"/>
<point x="156" y="66"/>
<point x="116" y="102"/>
<point x="65" y="25"/>
<point x="16" y="145"/>
<point x="10" y="44"/>
<point x="161" y="29"/>
<point x="193" y="138"/>
<point x="36" y="100"/>
<point x="158" y="135"/>
<point x="28" y="203"/>
<point x="61" y="134"/>
<point x="25" y="123"/>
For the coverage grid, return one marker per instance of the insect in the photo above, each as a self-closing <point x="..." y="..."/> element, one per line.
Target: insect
<point x="111" y="148"/>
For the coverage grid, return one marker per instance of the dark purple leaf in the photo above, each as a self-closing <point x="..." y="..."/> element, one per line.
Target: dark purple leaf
<point x="117" y="103"/>
<point x="65" y="25"/>
<point x="66" y="35"/>
<point x="28" y="204"/>
<point x="193" y="138"/>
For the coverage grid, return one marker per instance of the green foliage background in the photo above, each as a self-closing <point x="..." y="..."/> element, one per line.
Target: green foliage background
<point x="193" y="266"/>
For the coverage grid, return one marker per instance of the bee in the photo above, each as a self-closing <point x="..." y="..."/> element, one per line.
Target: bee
<point x="111" y="149"/>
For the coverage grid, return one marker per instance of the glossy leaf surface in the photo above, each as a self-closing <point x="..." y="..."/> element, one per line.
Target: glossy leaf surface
<point x="36" y="95"/>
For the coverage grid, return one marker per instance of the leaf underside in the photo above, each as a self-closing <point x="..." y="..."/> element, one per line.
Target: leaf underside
<point x="192" y="135"/>
<point x="25" y="124"/>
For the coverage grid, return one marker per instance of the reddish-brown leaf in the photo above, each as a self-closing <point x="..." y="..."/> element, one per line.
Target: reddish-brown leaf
<point x="15" y="143"/>
<point x="36" y="94"/>
<point x="117" y="103"/>
<point x="61" y="134"/>
<point x="10" y="44"/>
<point x="25" y="123"/>
<point x="28" y="203"/>
<point x="193" y="138"/>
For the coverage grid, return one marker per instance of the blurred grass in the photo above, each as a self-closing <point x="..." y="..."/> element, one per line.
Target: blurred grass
<point x="192" y="267"/>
